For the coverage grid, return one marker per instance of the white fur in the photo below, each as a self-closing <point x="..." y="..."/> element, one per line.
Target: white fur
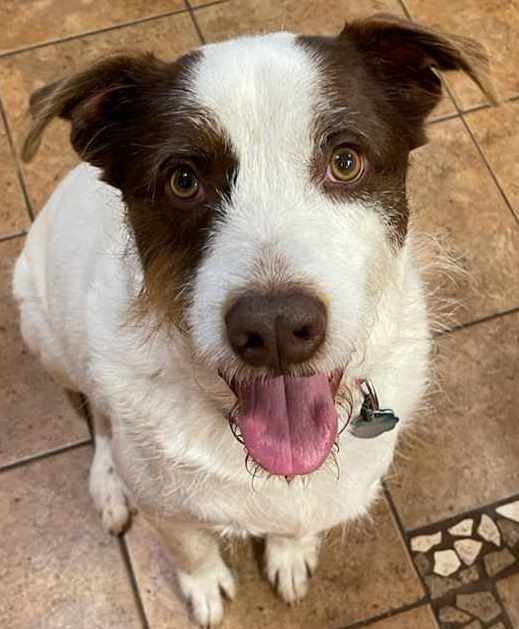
<point x="77" y="278"/>
<point x="290" y="563"/>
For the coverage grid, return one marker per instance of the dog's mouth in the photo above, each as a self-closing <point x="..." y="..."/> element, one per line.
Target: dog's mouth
<point x="288" y="423"/>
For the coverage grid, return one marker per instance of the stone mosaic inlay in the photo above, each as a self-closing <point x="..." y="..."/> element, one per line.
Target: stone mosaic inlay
<point x="459" y="560"/>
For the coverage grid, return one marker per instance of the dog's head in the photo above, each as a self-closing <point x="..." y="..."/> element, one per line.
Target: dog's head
<point x="264" y="181"/>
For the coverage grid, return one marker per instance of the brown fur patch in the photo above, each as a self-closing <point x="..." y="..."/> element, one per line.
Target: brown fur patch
<point x="134" y="117"/>
<point x="380" y="84"/>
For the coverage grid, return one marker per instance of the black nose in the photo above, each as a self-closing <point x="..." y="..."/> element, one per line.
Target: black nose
<point x="276" y="330"/>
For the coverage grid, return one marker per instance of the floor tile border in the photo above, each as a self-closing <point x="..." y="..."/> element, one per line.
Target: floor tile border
<point x="480" y="581"/>
<point x="465" y="118"/>
<point x="489" y="167"/>
<point x="404" y="536"/>
<point x="47" y="454"/>
<point x="469" y="324"/>
<point x="14" y="155"/>
<point x="13" y="236"/>
<point x="195" y="21"/>
<point x="125" y="554"/>
<point x="386" y="615"/>
<point x="105" y="29"/>
<point x="470" y="110"/>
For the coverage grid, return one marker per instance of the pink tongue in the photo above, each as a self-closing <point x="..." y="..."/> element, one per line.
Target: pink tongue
<point x="288" y="424"/>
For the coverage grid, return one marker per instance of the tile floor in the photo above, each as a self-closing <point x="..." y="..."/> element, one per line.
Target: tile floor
<point x="442" y="548"/>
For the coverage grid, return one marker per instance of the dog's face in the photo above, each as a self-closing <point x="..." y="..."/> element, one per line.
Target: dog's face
<point x="264" y="180"/>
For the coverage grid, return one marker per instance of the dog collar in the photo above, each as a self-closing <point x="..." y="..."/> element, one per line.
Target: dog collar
<point x="372" y="420"/>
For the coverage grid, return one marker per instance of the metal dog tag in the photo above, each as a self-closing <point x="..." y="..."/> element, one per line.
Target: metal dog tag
<point x="373" y="420"/>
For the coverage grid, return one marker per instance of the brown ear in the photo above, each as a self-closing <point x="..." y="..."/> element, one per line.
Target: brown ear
<point x="93" y="101"/>
<point x="406" y="55"/>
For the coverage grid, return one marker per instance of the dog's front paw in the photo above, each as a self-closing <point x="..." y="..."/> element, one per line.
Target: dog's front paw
<point x="109" y="494"/>
<point x="290" y="563"/>
<point x="203" y="590"/>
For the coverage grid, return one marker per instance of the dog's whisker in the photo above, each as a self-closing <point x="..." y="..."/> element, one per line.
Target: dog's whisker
<point x="249" y="463"/>
<point x="339" y="433"/>
<point x="254" y="475"/>
<point x="236" y="431"/>
<point x="333" y="458"/>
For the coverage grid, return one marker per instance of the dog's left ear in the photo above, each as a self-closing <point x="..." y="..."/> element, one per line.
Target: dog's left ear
<point x="405" y="55"/>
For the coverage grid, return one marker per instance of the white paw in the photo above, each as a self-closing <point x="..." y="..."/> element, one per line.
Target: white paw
<point x="203" y="590"/>
<point x="290" y="563"/>
<point x="108" y="493"/>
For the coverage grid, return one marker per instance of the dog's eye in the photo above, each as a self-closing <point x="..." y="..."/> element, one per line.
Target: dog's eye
<point x="184" y="183"/>
<point x="346" y="165"/>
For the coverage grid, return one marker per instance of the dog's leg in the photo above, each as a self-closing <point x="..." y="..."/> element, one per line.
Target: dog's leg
<point x="289" y="563"/>
<point x="202" y="574"/>
<point x="106" y="487"/>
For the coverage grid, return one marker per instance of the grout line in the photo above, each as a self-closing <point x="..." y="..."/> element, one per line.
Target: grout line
<point x="469" y="110"/>
<point x="405" y="9"/>
<point x="19" y="234"/>
<point x="459" y="113"/>
<point x="367" y="622"/>
<point x="490" y="170"/>
<point x="207" y="4"/>
<point x="469" y="324"/>
<point x="19" y="172"/>
<point x="45" y="455"/>
<point x="195" y="22"/>
<point x="123" y="546"/>
<point x="443" y="118"/>
<point x="401" y="529"/>
<point x="88" y="415"/>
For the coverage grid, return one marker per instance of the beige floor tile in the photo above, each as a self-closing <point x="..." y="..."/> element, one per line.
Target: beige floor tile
<point x="420" y="618"/>
<point x="22" y="74"/>
<point x="13" y="214"/>
<point x="251" y="16"/>
<point x="509" y="592"/>
<point x="35" y="415"/>
<point x="452" y="195"/>
<point x="57" y="566"/>
<point x="497" y="132"/>
<point x="493" y="23"/>
<point x="469" y="442"/>
<point x="366" y="575"/>
<point x="36" y="21"/>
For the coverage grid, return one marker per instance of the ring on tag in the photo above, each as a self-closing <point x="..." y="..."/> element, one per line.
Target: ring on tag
<point x="373" y="420"/>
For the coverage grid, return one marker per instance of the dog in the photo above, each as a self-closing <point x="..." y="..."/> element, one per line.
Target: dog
<point x="230" y="277"/>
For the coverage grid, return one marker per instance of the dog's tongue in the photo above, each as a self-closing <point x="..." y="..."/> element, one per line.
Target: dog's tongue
<point x="288" y="424"/>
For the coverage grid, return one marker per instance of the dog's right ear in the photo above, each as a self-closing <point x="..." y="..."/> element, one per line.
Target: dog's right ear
<point x="99" y="102"/>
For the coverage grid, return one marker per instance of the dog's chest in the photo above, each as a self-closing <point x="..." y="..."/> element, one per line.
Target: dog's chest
<point x="292" y="511"/>
<point x="272" y="506"/>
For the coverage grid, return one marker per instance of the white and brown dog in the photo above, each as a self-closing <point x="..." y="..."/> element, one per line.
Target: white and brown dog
<point x="223" y="272"/>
